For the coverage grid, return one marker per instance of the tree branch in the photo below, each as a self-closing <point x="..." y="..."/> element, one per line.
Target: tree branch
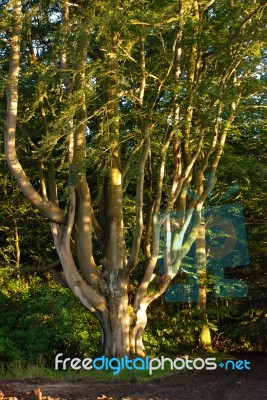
<point x="50" y="210"/>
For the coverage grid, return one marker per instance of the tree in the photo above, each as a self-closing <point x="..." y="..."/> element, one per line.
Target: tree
<point x="126" y="107"/>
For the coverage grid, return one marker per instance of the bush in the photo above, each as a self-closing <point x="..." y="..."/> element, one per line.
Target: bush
<point x="40" y="318"/>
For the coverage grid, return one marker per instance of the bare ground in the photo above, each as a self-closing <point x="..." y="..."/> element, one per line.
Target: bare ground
<point x="209" y="385"/>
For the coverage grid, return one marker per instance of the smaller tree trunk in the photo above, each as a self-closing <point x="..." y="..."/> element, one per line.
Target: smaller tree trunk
<point x="204" y="335"/>
<point x="17" y="246"/>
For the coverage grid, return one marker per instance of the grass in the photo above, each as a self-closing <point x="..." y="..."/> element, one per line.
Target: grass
<point x="17" y="371"/>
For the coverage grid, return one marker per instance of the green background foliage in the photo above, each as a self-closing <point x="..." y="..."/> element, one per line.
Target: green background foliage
<point x="40" y="318"/>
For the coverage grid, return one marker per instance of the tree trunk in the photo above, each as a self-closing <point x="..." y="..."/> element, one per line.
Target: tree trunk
<point x="204" y="335"/>
<point x="123" y="335"/>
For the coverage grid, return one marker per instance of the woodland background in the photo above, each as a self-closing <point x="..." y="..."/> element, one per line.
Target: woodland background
<point x="40" y="316"/>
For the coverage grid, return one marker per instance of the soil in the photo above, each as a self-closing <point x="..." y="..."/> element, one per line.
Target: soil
<point x="209" y="385"/>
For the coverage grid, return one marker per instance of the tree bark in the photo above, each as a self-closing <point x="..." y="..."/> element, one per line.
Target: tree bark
<point x="204" y="334"/>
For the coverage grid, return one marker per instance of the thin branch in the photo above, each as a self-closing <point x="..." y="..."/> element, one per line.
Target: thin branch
<point x="129" y="160"/>
<point x="139" y="206"/>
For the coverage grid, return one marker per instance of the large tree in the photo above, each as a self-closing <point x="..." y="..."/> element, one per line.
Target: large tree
<point x="126" y="107"/>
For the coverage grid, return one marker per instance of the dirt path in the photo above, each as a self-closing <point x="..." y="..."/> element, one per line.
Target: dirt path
<point x="208" y="385"/>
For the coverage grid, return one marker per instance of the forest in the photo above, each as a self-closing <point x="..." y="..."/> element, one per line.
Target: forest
<point x="133" y="178"/>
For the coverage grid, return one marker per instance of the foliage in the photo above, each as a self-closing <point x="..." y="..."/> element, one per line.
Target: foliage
<point x="244" y="164"/>
<point x="39" y="319"/>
